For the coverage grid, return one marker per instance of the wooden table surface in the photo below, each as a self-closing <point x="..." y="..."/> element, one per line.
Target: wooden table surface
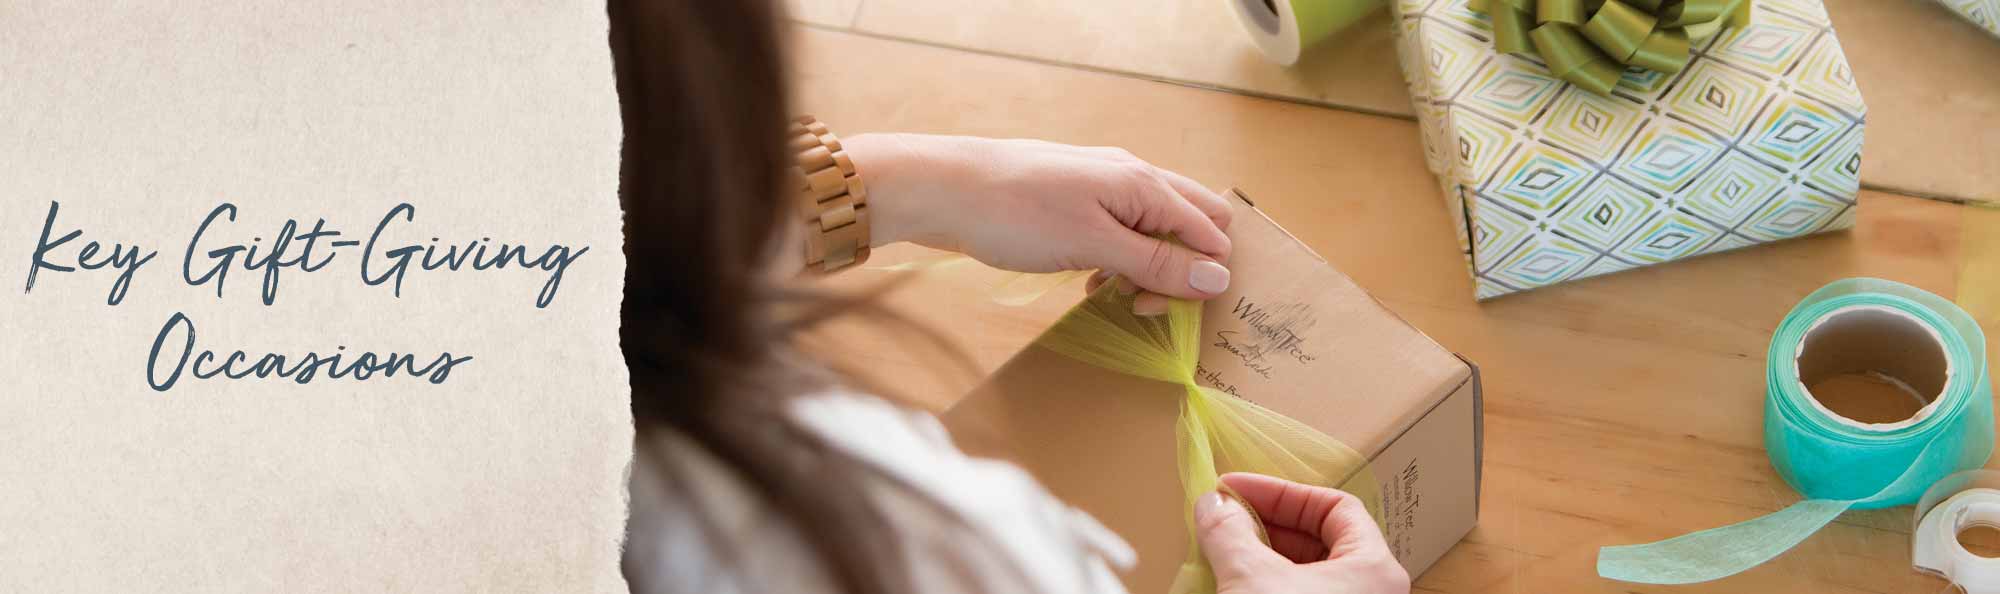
<point x="1925" y="72"/>
<point x="1619" y="409"/>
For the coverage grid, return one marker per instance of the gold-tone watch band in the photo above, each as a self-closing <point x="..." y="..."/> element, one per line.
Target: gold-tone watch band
<point x="831" y="198"/>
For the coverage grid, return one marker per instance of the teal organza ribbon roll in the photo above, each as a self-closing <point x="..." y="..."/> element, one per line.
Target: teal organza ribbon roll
<point x="1591" y="42"/>
<point x="1836" y="463"/>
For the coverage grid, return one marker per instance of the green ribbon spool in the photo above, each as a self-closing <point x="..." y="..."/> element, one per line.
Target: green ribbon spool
<point x="1590" y="42"/>
<point x="1283" y="29"/>
<point x="1837" y="463"/>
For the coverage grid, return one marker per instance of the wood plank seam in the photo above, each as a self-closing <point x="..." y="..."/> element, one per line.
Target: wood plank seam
<point x="850" y="30"/>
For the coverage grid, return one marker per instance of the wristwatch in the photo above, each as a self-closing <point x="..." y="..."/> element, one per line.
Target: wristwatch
<point x="832" y="199"/>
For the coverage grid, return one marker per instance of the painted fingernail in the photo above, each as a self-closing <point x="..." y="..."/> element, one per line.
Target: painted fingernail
<point x="1208" y="277"/>
<point x="1149" y="304"/>
<point x="1207" y="505"/>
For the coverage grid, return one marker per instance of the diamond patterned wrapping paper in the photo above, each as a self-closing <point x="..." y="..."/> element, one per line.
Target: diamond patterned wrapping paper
<point x="1758" y="139"/>
<point x="1985" y="13"/>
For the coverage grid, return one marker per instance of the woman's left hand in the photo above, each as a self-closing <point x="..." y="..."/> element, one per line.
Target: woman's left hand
<point x="1035" y="206"/>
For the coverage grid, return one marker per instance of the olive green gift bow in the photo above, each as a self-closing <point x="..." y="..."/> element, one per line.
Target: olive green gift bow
<point x="1590" y="42"/>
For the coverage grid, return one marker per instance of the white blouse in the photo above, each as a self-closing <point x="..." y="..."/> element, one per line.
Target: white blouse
<point x="1055" y="548"/>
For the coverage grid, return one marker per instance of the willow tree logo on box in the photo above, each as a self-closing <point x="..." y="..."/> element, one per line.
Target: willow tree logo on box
<point x="293" y="248"/>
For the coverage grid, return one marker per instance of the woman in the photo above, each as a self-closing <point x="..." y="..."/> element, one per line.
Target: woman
<point x="758" y="470"/>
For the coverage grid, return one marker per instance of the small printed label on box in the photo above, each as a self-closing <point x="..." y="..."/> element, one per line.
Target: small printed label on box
<point x="1401" y="499"/>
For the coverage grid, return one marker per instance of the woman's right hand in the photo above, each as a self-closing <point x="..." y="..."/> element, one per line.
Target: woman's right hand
<point x="1322" y="540"/>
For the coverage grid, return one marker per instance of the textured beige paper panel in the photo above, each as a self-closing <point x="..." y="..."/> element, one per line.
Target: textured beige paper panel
<point x="495" y="120"/>
<point x="1920" y="67"/>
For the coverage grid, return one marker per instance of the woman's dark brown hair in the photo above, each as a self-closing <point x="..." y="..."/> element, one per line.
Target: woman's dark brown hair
<point x="702" y="92"/>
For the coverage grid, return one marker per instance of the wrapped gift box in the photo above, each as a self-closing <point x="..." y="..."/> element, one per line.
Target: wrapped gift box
<point x="1758" y="139"/>
<point x="1293" y="335"/>
<point x="1985" y="13"/>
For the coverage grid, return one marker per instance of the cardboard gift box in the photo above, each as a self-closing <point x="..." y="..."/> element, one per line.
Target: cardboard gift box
<point x="1293" y="335"/>
<point x="1757" y="139"/>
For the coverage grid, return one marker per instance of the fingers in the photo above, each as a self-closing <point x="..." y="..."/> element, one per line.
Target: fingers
<point x="1338" y="520"/>
<point x="1169" y="211"/>
<point x="1162" y="267"/>
<point x="1348" y="528"/>
<point x="1297" y="546"/>
<point x="1170" y="204"/>
<point x="1099" y="278"/>
<point x="1228" y="537"/>
<point x="1216" y="206"/>
<point x="1145" y="303"/>
<point x="1150" y="203"/>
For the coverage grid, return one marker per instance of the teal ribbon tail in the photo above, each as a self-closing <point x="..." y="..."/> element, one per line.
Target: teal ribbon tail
<point x="1717" y="553"/>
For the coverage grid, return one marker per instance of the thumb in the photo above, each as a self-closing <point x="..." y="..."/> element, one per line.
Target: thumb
<point x="1164" y="267"/>
<point x="1228" y="536"/>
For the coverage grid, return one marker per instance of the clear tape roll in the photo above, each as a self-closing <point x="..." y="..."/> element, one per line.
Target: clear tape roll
<point x="1958" y="502"/>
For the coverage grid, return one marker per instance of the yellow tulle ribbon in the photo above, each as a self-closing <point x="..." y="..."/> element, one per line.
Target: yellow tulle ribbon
<point x="1217" y="432"/>
<point x="1591" y="42"/>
